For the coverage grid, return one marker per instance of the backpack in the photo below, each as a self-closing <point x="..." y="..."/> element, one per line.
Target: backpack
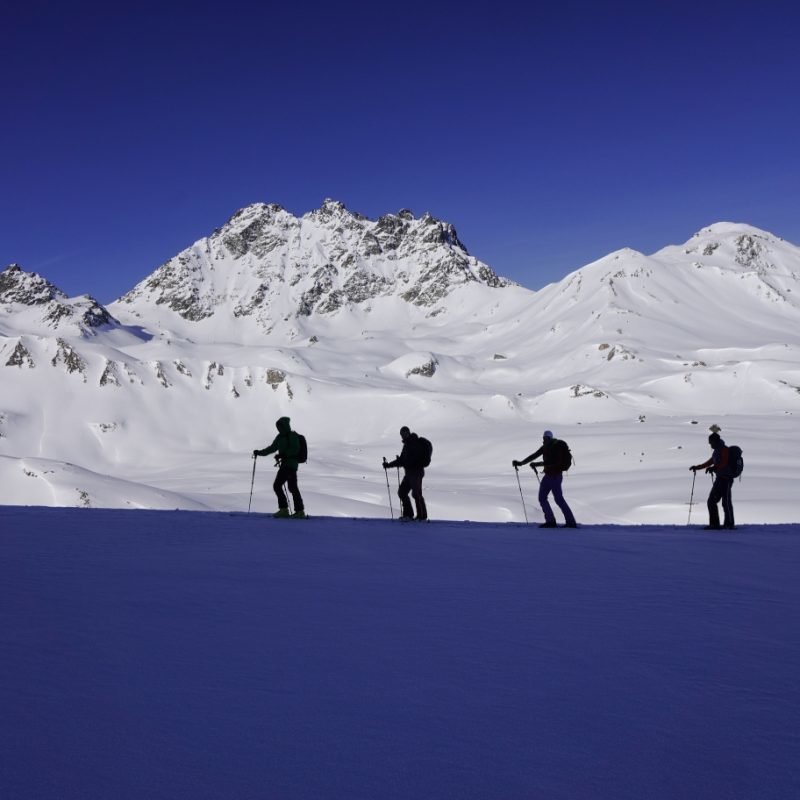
<point x="302" y="454"/>
<point x="424" y="451"/>
<point x="735" y="461"/>
<point x="562" y="455"/>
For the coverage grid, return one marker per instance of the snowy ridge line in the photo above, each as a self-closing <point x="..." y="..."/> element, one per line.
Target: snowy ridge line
<point x="143" y="516"/>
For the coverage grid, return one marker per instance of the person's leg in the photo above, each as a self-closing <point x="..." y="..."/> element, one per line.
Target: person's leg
<point x="415" y="481"/>
<point x="545" y="487"/>
<point x="714" y="496"/>
<point x="727" y="504"/>
<point x="291" y="482"/>
<point x="280" y="479"/>
<point x="405" y="503"/>
<point x="558" y="496"/>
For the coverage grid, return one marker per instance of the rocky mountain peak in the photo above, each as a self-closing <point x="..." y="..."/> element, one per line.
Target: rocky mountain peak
<point x="26" y="288"/>
<point x="739" y="246"/>
<point x="268" y="265"/>
<point x="25" y="292"/>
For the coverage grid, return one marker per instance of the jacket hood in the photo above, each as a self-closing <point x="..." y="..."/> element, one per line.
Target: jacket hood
<point x="283" y="425"/>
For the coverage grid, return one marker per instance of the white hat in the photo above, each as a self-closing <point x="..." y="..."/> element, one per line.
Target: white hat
<point x="548" y="435"/>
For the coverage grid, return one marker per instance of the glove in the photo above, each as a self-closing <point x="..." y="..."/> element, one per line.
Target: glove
<point x="693" y="469"/>
<point x="255" y="453"/>
<point x="385" y="463"/>
<point x="515" y="463"/>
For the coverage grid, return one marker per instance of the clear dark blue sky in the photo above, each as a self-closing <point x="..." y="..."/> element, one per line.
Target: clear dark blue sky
<point x="548" y="134"/>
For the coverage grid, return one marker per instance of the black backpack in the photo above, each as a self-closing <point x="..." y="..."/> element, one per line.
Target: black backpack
<point x="424" y="451"/>
<point x="735" y="461"/>
<point x="302" y="455"/>
<point x="562" y="455"/>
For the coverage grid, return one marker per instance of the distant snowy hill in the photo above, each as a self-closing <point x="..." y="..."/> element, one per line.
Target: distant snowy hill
<point x="353" y="327"/>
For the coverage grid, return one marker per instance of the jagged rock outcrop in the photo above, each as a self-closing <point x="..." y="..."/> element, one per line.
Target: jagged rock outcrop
<point x="69" y="358"/>
<point x="20" y="357"/>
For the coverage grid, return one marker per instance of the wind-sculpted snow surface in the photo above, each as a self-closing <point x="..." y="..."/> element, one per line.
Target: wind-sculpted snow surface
<point x="184" y="655"/>
<point x="354" y="327"/>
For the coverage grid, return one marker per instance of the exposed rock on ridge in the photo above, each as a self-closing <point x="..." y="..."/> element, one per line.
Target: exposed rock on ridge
<point x="55" y="310"/>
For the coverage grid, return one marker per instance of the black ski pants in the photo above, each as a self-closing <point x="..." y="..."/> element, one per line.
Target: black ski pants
<point x="721" y="490"/>
<point x="412" y="484"/>
<point x="287" y="475"/>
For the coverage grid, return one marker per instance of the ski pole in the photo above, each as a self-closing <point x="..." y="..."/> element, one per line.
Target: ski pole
<point x="252" y="483"/>
<point x="536" y="472"/>
<point x="389" y="492"/>
<point x="524" y="510"/>
<point x="691" y="496"/>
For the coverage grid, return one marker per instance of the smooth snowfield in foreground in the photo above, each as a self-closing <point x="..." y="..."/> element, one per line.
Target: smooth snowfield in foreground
<point x="155" y="654"/>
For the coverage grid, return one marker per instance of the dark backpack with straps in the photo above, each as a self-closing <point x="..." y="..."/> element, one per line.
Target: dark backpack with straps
<point x="562" y="456"/>
<point x="735" y="461"/>
<point x="302" y="453"/>
<point x="424" y="451"/>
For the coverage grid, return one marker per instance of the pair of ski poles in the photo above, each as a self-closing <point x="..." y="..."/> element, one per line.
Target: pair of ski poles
<point x="522" y="497"/>
<point x="388" y="488"/>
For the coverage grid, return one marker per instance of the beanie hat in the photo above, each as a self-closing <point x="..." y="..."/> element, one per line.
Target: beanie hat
<point x="548" y="435"/>
<point x="714" y="438"/>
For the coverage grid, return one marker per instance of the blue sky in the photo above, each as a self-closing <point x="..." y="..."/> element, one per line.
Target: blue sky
<point x="548" y="135"/>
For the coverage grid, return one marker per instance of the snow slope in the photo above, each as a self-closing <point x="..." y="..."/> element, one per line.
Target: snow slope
<point x="354" y="327"/>
<point x="181" y="655"/>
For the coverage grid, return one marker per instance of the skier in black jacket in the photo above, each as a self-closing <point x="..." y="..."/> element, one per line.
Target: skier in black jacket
<point x="287" y="446"/>
<point x="551" y="482"/>
<point x="411" y="459"/>
<point x="719" y="467"/>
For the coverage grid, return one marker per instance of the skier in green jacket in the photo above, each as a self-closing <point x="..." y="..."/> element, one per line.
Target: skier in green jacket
<point x="287" y="446"/>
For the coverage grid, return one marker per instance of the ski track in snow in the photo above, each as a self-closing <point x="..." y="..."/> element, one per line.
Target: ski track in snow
<point x="175" y="654"/>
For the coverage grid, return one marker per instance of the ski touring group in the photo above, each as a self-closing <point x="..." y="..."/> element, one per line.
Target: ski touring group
<point x="290" y="450"/>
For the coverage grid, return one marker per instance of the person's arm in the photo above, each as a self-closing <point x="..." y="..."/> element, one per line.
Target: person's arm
<point x="267" y="450"/>
<point x="705" y="465"/>
<point x="528" y="459"/>
<point x="398" y="460"/>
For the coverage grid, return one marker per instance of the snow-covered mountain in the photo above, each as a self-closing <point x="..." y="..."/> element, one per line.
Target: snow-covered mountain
<point x="267" y="269"/>
<point x="32" y="304"/>
<point x="353" y="327"/>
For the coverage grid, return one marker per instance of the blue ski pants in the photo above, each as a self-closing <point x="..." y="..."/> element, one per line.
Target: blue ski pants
<point x="552" y="483"/>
